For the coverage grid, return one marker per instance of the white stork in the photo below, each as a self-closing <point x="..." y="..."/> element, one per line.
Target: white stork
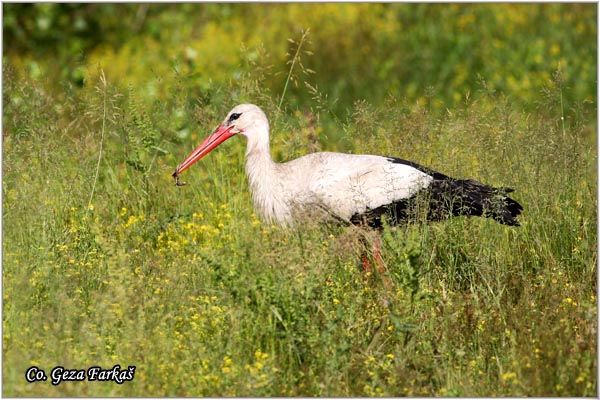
<point x="354" y="189"/>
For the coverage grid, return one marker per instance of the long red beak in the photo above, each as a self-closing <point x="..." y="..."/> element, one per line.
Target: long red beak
<point x="221" y="134"/>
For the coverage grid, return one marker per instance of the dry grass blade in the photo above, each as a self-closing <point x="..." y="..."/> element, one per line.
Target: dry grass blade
<point x="102" y="89"/>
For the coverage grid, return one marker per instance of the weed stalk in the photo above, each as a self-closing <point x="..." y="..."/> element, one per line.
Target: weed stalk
<point x="295" y="59"/>
<point x="103" y="90"/>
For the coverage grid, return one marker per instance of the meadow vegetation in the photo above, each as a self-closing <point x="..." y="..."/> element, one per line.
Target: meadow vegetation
<point x="106" y="262"/>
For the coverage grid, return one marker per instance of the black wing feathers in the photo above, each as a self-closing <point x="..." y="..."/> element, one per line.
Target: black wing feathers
<point x="443" y="198"/>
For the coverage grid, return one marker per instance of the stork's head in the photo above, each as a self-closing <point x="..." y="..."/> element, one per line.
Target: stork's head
<point x="245" y="119"/>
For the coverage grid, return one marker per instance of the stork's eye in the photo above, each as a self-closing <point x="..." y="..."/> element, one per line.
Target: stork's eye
<point x="234" y="116"/>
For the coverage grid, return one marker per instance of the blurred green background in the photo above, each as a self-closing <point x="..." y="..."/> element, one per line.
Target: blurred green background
<point x="437" y="54"/>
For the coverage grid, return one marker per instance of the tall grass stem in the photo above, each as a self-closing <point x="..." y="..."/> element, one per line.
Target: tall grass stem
<point x="104" y="87"/>
<point x="289" y="76"/>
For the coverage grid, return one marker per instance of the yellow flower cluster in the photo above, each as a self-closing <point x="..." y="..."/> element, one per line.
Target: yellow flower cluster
<point x="381" y="372"/>
<point x="199" y="231"/>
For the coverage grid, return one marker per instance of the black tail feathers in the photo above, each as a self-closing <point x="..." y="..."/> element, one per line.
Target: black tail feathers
<point x="446" y="197"/>
<point x="469" y="197"/>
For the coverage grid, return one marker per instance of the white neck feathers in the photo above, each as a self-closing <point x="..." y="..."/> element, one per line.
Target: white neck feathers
<point x="265" y="180"/>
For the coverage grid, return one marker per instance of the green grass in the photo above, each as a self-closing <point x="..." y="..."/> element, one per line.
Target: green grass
<point x="359" y="51"/>
<point x="106" y="262"/>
